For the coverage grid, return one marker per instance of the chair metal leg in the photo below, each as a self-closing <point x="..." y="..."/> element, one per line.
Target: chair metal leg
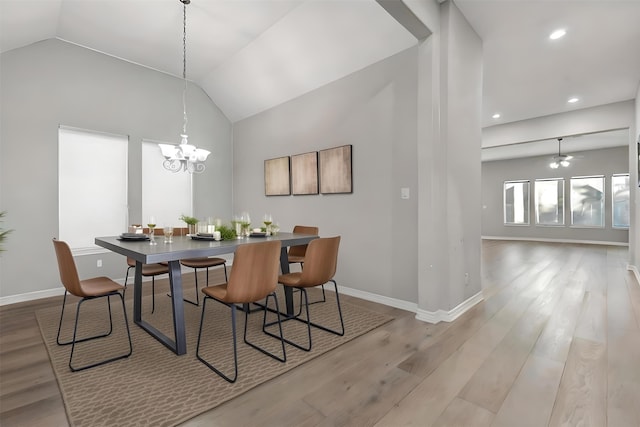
<point x="153" y="288"/>
<point x="308" y="320"/>
<point x="64" y="301"/>
<point x="197" y="303"/>
<point x="153" y="294"/>
<point x="75" y="330"/>
<point x="126" y="277"/>
<point x="195" y="274"/>
<point x="264" y="321"/>
<point x="235" y="350"/>
<point x="288" y="341"/>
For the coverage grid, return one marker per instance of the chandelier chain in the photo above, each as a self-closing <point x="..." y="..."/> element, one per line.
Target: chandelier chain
<point x="184" y="64"/>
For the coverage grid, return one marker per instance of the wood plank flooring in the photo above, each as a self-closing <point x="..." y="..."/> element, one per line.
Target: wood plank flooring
<point x="556" y="342"/>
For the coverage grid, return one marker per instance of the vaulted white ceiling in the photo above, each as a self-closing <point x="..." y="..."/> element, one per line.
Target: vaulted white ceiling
<point x="250" y="55"/>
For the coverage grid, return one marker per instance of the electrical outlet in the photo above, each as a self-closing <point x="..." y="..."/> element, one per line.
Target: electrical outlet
<point x="99" y="263"/>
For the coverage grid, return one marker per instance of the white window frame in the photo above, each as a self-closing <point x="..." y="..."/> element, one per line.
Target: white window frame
<point x="613" y="201"/>
<point x="603" y="206"/>
<point x="92" y="187"/>
<point x="561" y="203"/>
<point x="526" y="210"/>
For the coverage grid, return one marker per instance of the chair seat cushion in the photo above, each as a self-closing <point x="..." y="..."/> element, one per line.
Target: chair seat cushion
<point x="295" y="258"/>
<point x="291" y="279"/>
<point x="154" y="269"/>
<point x="99" y="286"/>
<point x="202" y="262"/>
<point x="218" y="292"/>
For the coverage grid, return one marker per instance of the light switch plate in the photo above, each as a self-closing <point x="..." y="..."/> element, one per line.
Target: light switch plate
<point x="404" y="193"/>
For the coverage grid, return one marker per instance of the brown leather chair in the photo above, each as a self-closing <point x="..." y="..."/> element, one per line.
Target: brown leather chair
<point x="204" y="262"/>
<point x="254" y="276"/>
<point x="148" y="270"/>
<point x="320" y="264"/>
<point x="296" y="253"/>
<point x="97" y="287"/>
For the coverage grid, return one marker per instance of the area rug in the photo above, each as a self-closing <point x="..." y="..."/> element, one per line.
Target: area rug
<point x="156" y="387"/>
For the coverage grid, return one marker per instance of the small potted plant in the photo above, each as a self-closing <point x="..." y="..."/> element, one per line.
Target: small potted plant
<point x="191" y="223"/>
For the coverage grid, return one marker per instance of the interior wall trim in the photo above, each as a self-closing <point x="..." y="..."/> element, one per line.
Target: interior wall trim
<point x="635" y="272"/>
<point x="381" y="299"/>
<point x="542" y="239"/>
<point x="451" y="315"/>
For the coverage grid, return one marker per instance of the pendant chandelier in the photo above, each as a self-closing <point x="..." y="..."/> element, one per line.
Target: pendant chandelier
<point x="185" y="157"/>
<point x="560" y="159"/>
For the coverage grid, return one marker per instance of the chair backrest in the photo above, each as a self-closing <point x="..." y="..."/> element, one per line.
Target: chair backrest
<point x="67" y="267"/>
<point x="254" y="273"/>
<point x="300" y="250"/>
<point x="320" y="262"/>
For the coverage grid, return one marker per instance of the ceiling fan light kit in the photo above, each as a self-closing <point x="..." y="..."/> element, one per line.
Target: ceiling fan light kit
<point x="560" y="159"/>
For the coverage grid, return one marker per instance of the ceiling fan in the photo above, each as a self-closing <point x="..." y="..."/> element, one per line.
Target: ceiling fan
<point x="560" y="159"/>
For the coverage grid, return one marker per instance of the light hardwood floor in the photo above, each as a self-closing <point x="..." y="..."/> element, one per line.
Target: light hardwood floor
<point x="556" y="342"/>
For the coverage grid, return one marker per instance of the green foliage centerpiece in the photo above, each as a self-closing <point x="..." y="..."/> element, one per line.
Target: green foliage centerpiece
<point x="3" y="232"/>
<point x="191" y="222"/>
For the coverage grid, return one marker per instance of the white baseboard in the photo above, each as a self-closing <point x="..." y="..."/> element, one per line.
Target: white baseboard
<point x="380" y="299"/>
<point x="635" y="271"/>
<point x="431" y="317"/>
<point x="537" y="239"/>
<point x="451" y="315"/>
<point x="30" y="296"/>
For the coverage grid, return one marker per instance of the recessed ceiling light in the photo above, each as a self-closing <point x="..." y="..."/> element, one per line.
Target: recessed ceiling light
<point x="557" y="34"/>
<point x="496" y="116"/>
<point x="573" y="100"/>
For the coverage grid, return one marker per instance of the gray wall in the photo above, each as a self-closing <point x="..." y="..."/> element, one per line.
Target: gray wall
<point x="449" y="172"/>
<point x="375" y="111"/>
<point x="595" y="162"/>
<point x="53" y="82"/>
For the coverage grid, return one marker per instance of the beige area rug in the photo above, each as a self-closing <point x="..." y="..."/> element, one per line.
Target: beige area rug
<point x="154" y="386"/>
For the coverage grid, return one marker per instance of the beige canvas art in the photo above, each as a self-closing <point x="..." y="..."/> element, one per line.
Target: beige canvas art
<point x="276" y="177"/>
<point x="335" y="170"/>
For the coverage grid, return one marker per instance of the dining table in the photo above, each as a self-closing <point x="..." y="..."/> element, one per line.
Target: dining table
<point x="181" y="247"/>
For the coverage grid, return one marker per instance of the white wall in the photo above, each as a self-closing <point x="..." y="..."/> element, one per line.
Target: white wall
<point x="51" y="83"/>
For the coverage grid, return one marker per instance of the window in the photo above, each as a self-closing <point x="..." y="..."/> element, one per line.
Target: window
<point x="620" y="200"/>
<point x="165" y="195"/>
<point x="92" y="187"/>
<point x="549" y="201"/>
<point x="516" y="202"/>
<point x="587" y="201"/>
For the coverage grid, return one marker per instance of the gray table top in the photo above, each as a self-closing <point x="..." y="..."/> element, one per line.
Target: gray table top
<point x="186" y="247"/>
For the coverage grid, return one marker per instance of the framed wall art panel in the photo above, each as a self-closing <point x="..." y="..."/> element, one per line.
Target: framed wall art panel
<point x="304" y="173"/>
<point x="335" y="170"/>
<point x="277" y="177"/>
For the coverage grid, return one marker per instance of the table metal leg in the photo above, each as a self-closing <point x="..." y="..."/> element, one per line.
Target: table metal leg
<point x="179" y="346"/>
